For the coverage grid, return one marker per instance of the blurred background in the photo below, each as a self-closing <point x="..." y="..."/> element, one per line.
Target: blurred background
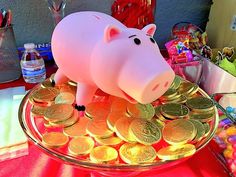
<point x="33" y="22"/>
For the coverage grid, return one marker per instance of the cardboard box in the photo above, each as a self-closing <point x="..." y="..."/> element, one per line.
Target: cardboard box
<point x="216" y="80"/>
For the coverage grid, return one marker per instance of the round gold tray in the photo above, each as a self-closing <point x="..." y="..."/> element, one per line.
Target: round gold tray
<point x="34" y="128"/>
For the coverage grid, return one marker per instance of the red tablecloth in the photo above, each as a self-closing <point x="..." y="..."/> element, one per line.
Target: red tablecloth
<point x="38" y="164"/>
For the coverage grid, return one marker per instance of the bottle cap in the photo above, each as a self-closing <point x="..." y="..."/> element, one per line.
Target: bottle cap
<point x="29" y="46"/>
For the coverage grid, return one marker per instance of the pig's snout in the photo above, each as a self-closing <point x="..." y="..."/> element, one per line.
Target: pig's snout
<point x="145" y="81"/>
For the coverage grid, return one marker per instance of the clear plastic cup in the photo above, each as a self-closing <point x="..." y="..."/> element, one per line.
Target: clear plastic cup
<point x="9" y="59"/>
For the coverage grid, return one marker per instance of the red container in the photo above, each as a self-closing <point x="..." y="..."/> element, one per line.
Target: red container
<point x="134" y="13"/>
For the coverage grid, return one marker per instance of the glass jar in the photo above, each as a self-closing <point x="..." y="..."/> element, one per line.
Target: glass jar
<point x="224" y="142"/>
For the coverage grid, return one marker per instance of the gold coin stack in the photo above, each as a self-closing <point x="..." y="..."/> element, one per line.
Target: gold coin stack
<point x="43" y="96"/>
<point x="116" y="131"/>
<point x="186" y="115"/>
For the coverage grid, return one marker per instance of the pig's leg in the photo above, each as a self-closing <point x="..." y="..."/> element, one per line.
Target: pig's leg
<point x="84" y="95"/>
<point x="59" y="78"/>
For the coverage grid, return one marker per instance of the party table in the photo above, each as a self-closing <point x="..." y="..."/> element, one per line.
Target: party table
<point x="38" y="164"/>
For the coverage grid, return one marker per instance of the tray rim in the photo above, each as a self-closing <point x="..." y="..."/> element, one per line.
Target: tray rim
<point x="106" y="167"/>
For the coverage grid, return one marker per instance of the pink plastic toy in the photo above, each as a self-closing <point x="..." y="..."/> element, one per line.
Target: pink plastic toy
<point x="97" y="51"/>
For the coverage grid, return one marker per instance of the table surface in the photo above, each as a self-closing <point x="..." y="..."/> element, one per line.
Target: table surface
<point x="38" y="164"/>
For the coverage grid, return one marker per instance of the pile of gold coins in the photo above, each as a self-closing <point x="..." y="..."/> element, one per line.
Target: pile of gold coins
<point x="114" y="131"/>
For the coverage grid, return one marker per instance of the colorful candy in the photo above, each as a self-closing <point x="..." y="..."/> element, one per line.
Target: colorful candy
<point x="231" y="139"/>
<point x="178" y="50"/>
<point x="228" y="153"/>
<point x="226" y="139"/>
<point x="185" y="30"/>
<point x="230" y="109"/>
<point x="225" y="122"/>
<point x="231" y="131"/>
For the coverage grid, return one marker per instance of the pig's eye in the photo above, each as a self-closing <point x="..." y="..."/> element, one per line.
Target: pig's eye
<point x="137" y="41"/>
<point x="152" y="40"/>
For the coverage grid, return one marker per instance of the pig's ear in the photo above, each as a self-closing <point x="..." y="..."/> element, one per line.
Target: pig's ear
<point x="110" y="32"/>
<point x="150" y="29"/>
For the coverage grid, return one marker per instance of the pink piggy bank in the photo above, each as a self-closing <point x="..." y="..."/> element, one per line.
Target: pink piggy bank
<point x="97" y="51"/>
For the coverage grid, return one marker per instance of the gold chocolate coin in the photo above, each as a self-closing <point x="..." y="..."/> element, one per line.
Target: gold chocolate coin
<point x="174" y="110"/>
<point x="51" y="78"/>
<point x="67" y="88"/>
<point x="193" y="91"/>
<point x="45" y="94"/>
<point x="203" y="117"/>
<point x="98" y="128"/>
<point x="145" y="132"/>
<point x="176" y="83"/>
<point x="110" y="141"/>
<point x="72" y="83"/>
<point x="207" y="128"/>
<point x="179" y="131"/>
<point x="38" y="110"/>
<point x="54" y="139"/>
<point x="65" y="98"/>
<point x="47" y="83"/>
<point x="103" y="154"/>
<point x="122" y="129"/>
<point x="200" y="130"/>
<point x="78" y="129"/>
<point x="186" y="88"/>
<point x="169" y="94"/>
<point x="81" y="145"/>
<point x="200" y="104"/>
<point x="88" y="116"/>
<point x="98" y="109"/>
<point x="158" y="123"/>
<point x="180" y="99"/>
<point x="35" y="103"/>
<point x="112" y="118"/>
<point x="158" y="113"/>
<point x="176" y="152"/>
<point x="137" y="153"/>
<point x="68" y="122"/>
<point x="47" y="124"/>
<point x="119" y="105"/>
<point x="58" y="112"/>
<point x="172" y="99"/>
<point x="145" y="111"/>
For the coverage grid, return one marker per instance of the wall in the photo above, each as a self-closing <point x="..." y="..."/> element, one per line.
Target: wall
<point x="219" y="31"/>
<point x="33" y="23"/>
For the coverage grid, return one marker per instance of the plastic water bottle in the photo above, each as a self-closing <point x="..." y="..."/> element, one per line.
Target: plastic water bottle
<point x="32" y="65"/>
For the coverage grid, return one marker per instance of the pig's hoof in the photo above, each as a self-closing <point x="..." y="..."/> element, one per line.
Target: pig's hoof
<point x="80" y="108"/>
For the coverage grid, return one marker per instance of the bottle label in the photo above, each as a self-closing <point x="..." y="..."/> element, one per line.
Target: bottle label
<point x="32" y="72"/>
